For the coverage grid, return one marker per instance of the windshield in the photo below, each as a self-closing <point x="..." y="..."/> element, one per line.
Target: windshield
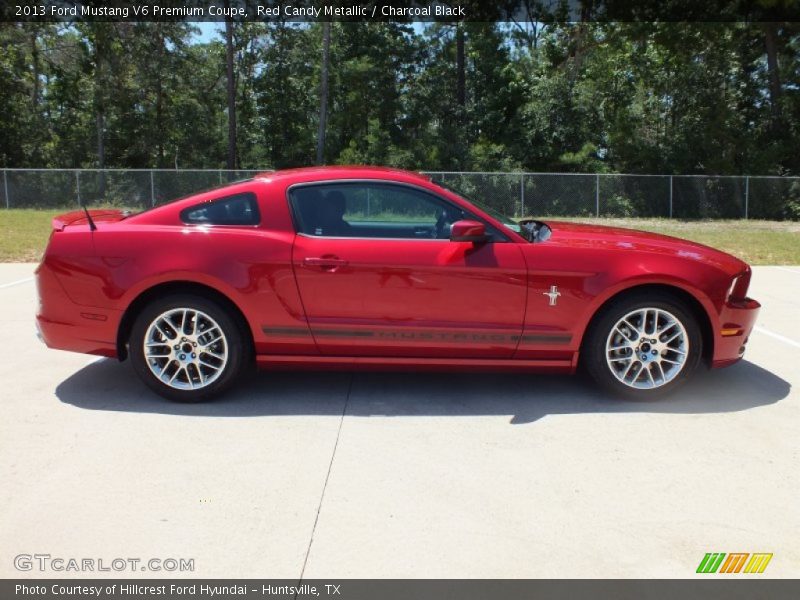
<point x="507" y="221"/>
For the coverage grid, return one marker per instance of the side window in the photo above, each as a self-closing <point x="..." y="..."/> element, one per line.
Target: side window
<point x="239" y="209"/>
<point x="376" y="210"/>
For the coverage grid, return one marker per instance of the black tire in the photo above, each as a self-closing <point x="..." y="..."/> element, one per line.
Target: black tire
<point x="594" y="349"/>
<point x="238" y="353"/>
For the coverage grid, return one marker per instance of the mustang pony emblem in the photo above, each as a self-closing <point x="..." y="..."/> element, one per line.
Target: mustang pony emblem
<point x="553" y="294"/>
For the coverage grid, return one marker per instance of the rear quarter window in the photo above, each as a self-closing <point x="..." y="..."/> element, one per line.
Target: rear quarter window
<point x="238" y="209"/>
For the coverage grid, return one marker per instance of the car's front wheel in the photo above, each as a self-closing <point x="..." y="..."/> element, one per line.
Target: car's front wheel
<point x="643" y="346"/>
<point x="187" y="348"/>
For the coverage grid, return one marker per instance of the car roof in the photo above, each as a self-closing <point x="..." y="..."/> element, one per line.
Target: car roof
<point x="321" y="173"/>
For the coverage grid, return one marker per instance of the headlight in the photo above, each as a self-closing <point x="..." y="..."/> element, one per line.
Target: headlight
<point x="738" y="289"/>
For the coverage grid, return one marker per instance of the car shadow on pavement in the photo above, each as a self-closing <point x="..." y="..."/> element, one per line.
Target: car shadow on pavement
<point x="112" y="386"/>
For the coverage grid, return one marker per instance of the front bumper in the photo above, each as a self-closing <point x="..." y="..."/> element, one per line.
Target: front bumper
<point x="736" y="322"/>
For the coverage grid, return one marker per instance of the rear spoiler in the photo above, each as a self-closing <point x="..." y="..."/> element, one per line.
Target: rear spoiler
<point x="78" y="217"/>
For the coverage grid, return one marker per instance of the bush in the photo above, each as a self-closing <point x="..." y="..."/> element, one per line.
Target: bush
<point x="619" y="206"/>
<point x="791" y="211"/>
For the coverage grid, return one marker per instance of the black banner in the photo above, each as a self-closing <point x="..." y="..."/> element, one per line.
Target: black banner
<point x="539" y="11"/>
<point x="714" y="587"/>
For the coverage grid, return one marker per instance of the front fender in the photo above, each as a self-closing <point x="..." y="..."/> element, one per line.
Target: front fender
<point x="631" y="284"/>
<point x="587" y="279"/>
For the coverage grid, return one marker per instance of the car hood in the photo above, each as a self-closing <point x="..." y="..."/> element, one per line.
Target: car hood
<point x="626" y="240"/>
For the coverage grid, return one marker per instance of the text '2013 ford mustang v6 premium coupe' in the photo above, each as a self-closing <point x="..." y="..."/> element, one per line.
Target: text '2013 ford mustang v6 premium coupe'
<point x="365" y="267"/>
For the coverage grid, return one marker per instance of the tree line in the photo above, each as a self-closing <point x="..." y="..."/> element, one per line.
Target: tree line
<point x="637" y="97"/>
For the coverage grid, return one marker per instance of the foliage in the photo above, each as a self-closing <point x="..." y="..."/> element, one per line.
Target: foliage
<point x="682" y="98"/>
<point x="619" y="206"/>
<point x="792" y="208"/>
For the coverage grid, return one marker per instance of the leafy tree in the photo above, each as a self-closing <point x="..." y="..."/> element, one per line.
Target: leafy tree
<point x="542" y="95"/>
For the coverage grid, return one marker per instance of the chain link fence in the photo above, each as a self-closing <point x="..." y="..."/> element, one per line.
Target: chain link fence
<point x="514" y="194"/>
<point x="621" y="195"/>
<point x="129" y="188"/>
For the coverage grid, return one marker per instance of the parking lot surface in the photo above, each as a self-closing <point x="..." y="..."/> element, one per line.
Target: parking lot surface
<point x="400" y="475"/>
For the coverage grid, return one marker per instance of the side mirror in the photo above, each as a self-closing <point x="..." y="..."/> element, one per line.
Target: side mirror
<point x="467" y="231"/>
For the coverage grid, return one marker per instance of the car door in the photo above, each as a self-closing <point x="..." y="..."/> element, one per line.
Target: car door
<point x="378" y="275"/>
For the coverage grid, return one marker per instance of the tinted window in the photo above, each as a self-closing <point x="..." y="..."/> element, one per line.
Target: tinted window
<point x="239" y="209"/>
<point x="369" y="209"/>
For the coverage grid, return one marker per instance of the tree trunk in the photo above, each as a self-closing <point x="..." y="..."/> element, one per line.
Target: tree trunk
<point x="160" y="128"/>
<point x="771" y="46"/>
<point x="100" y="83"/>
<point x="231" y="92"/>
<point x="35" y="63"/>
<point x="100" y="123"/>
<point x="461" y="92"/>
<point x="323" y="91"/>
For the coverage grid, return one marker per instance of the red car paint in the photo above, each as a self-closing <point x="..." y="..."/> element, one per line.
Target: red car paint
<point x="376" y="303"/>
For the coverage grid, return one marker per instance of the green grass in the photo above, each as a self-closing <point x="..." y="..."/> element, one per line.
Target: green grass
<point x="24" y="233"/>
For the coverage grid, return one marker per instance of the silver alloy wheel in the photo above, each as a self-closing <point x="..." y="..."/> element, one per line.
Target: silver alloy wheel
<point x="185" y="349"/>
<point x="647" y="348"/>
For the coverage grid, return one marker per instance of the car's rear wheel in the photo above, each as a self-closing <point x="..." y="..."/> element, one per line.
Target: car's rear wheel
<point x="187" y="348"/>
<point x="643" y="346"/>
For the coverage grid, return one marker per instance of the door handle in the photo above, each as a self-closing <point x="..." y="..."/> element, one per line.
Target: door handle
<point x="325" y="262"/>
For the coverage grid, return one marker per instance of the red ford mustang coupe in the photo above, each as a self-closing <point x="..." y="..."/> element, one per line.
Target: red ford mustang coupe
<point x="361" y="267"/>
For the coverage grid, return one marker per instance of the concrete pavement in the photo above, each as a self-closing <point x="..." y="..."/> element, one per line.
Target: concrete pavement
<point x="401" y="475"/>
